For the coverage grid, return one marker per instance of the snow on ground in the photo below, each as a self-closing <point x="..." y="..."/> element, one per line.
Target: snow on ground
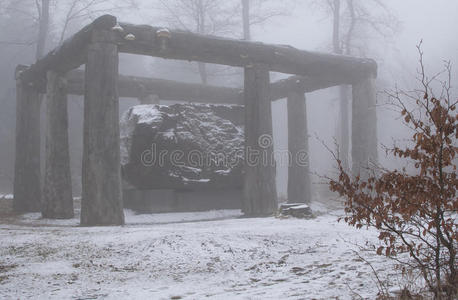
<point x="186" y="256"/>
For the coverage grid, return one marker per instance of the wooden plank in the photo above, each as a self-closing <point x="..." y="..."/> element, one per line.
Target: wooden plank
<point x="211" y="49"/>
<point x="364" y="127"/>
<point x="260" y="195"/>
<point x="27" y="174"/>
<point x="102" y="196"/>
<point x="299" y="185"/>
<point x="57" y="190"/>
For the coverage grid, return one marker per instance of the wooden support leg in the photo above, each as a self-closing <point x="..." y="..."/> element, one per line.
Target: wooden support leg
<point x="364" y="127"/>
<point x="299" y="186"/>
<point x="102" y="196"/>
<point x="27" y="190"/>
<point x="260" y="195"/>
<point x="57" y="190"/>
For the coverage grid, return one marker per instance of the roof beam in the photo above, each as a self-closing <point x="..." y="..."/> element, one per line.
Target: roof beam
<point x="184" y="45"/>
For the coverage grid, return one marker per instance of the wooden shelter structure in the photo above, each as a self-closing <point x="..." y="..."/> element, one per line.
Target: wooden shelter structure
<point x="97" y="46"/>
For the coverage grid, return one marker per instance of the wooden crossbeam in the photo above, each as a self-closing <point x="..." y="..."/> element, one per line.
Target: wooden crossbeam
<point x="137" y="87"/>
<point x="184" y="45"/>
<point x="70" y="55"/>
<point x="176" y="44"/>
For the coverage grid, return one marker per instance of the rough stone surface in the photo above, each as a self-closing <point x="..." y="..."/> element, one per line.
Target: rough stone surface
<point x="182" y="146"/>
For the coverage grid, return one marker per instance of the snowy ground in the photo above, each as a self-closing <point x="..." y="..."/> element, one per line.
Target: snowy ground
<point x="186" y="256"/>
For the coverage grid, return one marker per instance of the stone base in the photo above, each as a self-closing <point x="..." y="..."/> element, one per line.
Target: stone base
<point x="162" y="201"/>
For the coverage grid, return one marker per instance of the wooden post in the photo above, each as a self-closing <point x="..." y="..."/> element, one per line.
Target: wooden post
<point x="57" y="189"/>
<point x="102" y="196"/>
<point x="364" y="127"/>
<point x="260" y="195"/>
<point x="27" y="190"/>
<point x="299" y="186"/>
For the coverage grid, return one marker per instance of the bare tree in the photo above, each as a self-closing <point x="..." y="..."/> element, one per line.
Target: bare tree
<point x="354" y="21"/>
<point x="215" y="17"/>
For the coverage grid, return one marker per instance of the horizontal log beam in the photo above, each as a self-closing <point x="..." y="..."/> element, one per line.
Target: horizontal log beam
<point x="138" y="87"/>
<point x="70" y="55"/>
<point x="184" y="45"/>
<point x="318" y="68"/>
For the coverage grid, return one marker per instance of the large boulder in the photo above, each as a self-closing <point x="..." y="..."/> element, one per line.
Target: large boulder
<point x="182" y="146"/>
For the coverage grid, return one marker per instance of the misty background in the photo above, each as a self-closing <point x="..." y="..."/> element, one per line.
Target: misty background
<point x="391" y="36"/>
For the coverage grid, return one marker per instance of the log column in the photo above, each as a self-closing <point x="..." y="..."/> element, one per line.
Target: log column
<point x="364" y="127"/>
<point x="102" y="197"/>
<point x="57" y="190"/>
<point x="260" y="195"/>
<point x="27" y="188"/>
<point x="299" y="186"/>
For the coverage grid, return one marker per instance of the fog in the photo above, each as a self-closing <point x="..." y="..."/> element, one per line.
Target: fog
<point x="302" y="24"/>
<point x="221" y="143"/>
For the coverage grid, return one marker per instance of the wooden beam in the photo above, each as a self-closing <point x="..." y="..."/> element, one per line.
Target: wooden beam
<point x="27" y="173"/>
<point x="299" y="185"/>
<point x="300" y="84"/>
<point x="260" y="195"/>
<point x="70" y="55"/>
<point x="176" y="44"/>
<point x="138" y="87"/>
<point x="364" y="127"/>
<point x="57" y="190"/>
<point x="101" y="202"/>
<point x="184" y="45"/>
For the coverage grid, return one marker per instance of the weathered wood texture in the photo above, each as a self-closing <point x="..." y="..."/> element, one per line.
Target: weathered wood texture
<point x="260" y="195"/>
<point x="364" y="127"/>
<point x="299" y="186"/>
<point x="70" y="55"/>
<point x="57" y="190"/>
<point x="302" y="84"/>
<point x="102" y="196"/>
<point x="27" y="186"/>
<point x="280" y="58"/>
<point x="143" y="39"/>
<point x="139" y="87"/>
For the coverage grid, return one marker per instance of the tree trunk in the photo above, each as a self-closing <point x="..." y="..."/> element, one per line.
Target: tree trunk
<point x="203" y="72"/>
<point x="43" y="28"/>
<point x="27" y="190"/>
<point x="246" y="20"/>
<point x="102" y="196"/>
<point x="344" y="127"/>
<point x="201" y="29"/>
<point x="364" y="127"/>
<point x="260" y="195"/>
<point x="299" y="185"/>
<point x="336" y="28"/>
<point x="344" y="134"/>
<point x="57" y="190"/>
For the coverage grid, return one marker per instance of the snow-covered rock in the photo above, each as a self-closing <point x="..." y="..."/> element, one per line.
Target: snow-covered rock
<point x="182" y="145"/>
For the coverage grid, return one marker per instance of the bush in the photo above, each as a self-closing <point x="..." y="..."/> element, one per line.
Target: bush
<point x="415" y="211"/>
